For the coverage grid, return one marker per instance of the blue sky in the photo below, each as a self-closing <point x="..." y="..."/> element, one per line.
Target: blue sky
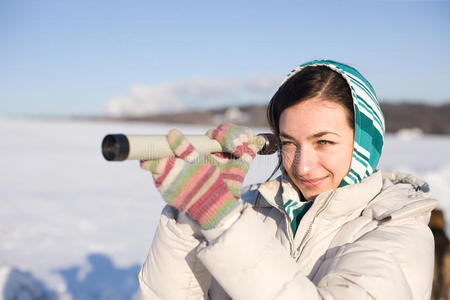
<point x="90" y="57"/>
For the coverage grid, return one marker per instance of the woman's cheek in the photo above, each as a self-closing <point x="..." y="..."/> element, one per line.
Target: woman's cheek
<point x="287" y="159"/>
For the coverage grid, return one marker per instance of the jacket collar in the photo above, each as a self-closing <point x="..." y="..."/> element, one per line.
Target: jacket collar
<point x="381" y="195"/>
<point x="344" y="200"/>
<point x="352" y="198"/>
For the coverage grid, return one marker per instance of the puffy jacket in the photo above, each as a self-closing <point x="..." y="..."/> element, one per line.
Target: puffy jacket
<point x="363" y="241"/>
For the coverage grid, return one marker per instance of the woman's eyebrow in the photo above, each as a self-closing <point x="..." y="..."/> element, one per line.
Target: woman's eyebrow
<point x="285" y="135"/>
<point x="314" y="136"/>
<point x="322" y="133"/>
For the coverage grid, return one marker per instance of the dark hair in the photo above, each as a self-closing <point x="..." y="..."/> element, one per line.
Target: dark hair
<point x="310" y="82"/>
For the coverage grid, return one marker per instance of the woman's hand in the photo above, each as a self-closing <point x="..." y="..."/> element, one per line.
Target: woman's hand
<point x="206" y="187"/>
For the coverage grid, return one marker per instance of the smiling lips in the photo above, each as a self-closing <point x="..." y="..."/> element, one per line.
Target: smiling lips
<point x="311" y="182"/>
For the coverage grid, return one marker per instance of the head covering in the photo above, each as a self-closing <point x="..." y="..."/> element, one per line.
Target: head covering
<point x="369" y="120"/>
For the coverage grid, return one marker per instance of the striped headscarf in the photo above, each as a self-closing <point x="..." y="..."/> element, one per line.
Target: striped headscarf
<point x="369" y="120"/>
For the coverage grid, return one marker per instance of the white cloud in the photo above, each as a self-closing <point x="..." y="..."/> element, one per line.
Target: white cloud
<point x="195" y="93"/>
<point x="262" y="84"/>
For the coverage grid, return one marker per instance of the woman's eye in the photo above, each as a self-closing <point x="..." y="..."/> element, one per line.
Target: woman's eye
<point x="325" y="142"/>
<point x="288" y="146"/>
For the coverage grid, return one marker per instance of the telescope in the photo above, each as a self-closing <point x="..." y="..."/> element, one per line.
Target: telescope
<point x="120" y="147"/>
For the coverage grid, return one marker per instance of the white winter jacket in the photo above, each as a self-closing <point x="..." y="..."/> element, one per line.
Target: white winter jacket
<point x="363" y="241"/>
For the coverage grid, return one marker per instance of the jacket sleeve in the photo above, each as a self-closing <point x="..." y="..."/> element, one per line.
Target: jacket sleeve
<point x="172" y="269"/>
<point x="250" y="263"/>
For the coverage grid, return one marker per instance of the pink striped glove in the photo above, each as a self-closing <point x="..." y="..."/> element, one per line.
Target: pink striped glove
<point x="206" y="187"/>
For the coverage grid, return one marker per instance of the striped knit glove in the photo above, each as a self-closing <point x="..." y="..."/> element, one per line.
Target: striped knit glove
<point x="205" y="187"/>
<point x="239" y="146"/>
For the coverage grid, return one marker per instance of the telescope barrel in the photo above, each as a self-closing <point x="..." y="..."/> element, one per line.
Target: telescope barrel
<point x="120" y="147"/>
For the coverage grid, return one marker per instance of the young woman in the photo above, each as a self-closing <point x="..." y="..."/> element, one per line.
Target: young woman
<point x="330" y="227"/>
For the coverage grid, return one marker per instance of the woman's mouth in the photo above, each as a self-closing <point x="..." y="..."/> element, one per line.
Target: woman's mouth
<point x="311" y="182"/>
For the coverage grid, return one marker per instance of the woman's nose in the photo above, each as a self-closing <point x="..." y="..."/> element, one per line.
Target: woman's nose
<point x="305" y="161"/>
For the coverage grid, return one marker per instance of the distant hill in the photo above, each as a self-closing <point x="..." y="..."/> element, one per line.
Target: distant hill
<point x="427" y="118"/>
<point x="430" y="119"/>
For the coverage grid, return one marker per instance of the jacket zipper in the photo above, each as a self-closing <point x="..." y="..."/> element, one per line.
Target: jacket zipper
<point x="297" y="252"/>
<point x="290" y="234"/>
<point x="288" y="229"/>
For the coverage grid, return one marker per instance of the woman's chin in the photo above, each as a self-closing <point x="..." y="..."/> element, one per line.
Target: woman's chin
<point x="307" y="194"/>
<point x="311" y="198"/>
<point x="310" y="194"/>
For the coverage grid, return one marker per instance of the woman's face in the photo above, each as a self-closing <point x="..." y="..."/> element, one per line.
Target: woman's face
<point x="317" y="145"/>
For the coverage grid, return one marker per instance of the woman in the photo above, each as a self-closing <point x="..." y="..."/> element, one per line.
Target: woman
<point x="330" y="227"/>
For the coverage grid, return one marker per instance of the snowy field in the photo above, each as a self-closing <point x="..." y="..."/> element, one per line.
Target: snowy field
<point x="79" y="227"/>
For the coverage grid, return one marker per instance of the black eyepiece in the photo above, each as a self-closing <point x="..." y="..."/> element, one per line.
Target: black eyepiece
<point x="115" y="147"/>
<point x="271" y="146"/>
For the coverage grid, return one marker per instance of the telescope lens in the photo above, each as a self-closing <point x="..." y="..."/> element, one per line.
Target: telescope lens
<point x="115" y="147"/>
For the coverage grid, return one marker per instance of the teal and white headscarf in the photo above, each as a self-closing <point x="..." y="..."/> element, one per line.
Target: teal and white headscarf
<point x="369" y="120"/>
<point x="369" y="134"/>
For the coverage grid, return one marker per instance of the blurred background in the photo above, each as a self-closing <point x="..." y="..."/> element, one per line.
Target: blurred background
<point x="73" y="226"/>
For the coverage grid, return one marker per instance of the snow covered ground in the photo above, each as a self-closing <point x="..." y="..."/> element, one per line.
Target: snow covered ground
<point x="78" y="227"/>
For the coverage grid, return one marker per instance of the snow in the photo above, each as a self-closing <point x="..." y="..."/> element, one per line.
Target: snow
<point x="75" y="226"/>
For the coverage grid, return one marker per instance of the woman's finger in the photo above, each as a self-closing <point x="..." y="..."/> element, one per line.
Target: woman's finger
<point x="181" y="147"/>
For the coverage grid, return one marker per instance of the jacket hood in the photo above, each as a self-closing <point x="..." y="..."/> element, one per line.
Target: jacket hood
<point x="412" y="198"/>
<point x="369" y="120"/>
